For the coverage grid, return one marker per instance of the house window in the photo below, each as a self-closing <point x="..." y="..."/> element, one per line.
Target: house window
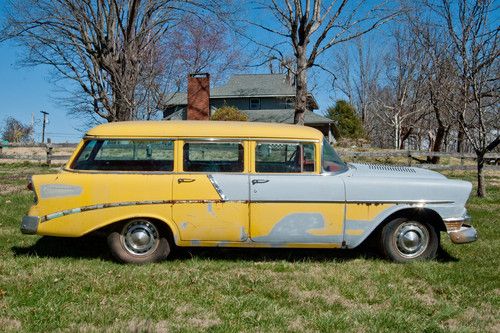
<point x="254" y="103"/>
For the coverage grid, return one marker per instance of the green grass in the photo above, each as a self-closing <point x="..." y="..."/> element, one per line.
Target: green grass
<point x="68" y="285"/>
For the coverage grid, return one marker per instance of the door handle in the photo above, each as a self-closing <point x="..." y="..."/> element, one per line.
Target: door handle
<point x="185" y="180"/>
<point x="259" y="181"/>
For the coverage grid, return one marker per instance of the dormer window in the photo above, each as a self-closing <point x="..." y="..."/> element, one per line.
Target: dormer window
<point x="254" y="103"/>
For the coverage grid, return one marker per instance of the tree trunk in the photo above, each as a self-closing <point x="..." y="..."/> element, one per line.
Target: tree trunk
<point x="301" y="88"/>
<point x="438" y="142"/>
<point x="481" y="186"/>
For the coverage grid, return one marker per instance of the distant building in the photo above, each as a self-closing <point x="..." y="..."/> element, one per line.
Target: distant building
<point x="262" y="97"/>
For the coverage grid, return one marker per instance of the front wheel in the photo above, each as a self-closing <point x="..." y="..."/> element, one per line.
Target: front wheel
<point x="139" y="241"/>
<point x="404" y="240"/>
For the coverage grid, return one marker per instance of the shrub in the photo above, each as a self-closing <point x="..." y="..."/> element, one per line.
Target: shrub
<point x="229" y="113"/>
<point x="346" y="119"/>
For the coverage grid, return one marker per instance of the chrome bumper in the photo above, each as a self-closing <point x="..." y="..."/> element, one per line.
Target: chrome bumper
<point x="29" y="225"/>
<point x="460" y="232"/>
<point x="465" y="234"/>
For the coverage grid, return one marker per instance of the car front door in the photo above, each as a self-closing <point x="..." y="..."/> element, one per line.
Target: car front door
<point x="211" y="194"/>
<point x="290" y="201"/>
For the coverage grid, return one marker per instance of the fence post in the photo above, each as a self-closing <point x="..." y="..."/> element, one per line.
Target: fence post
<point x="462" y="158"/>
<point x="1" y="148"/>
<point x="48" y="148"/>
<point x="409" y="157"/>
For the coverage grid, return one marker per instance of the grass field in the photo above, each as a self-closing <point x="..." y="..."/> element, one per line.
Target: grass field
<point x="72" y="285"/>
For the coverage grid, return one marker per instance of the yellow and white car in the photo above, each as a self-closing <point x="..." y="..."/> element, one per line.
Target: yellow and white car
<point x="152" y="185"/>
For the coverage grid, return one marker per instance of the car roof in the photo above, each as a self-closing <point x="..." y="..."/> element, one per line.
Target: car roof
<point x="203" y="129"/>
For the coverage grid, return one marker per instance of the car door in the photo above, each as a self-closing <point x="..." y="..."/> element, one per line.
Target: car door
<point x="211" y="194"/>
<point x="290" y="201"/>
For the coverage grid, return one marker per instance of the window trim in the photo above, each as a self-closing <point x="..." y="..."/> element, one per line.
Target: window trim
<point x="183" y="142"/>
<point x="70" y="166"/>
<point x="299" y="142"/>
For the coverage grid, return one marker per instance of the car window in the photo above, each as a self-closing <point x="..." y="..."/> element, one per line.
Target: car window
<point x="284" y="157"/>
<point x="213" y="157"/>
<point x="126" y="155"/>
<point x="331" y="162"/>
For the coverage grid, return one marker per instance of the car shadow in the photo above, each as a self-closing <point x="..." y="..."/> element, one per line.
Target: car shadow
<point x="86" y="247"/>
<point x="95" y="247"/>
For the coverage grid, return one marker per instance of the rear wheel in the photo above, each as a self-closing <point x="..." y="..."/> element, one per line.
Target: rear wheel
<point x="405" y="240"/>
<point x="139" y="241"/>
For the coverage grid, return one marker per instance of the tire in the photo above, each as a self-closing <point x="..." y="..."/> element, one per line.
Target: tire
<point x="405" y="240"/>
<point x="139" y="241"/>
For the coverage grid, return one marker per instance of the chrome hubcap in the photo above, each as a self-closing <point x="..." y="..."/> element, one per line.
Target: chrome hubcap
<point x="140" y="237"/>
<point x="411" y="239"/>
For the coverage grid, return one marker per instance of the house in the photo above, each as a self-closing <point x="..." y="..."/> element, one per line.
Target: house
<point x="262" y="97"/>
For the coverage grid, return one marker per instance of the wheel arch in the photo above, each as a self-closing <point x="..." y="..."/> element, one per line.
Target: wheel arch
<point x="423" y="214"/>
<point x="166" y="225"/>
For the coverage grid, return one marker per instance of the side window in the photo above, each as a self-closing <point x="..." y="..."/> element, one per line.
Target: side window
<point x="284" y="157"/>
<point x="213" y="157"/>
<point x="126" y="155"/>
<point x="254" y="103"/>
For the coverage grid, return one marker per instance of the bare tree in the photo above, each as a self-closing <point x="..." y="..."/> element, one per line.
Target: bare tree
<point x="16" y="131"/>
<point x="474" y="37"/>
<point x="402" y="104"/>
<point x="108" y="49"/>
<point x="309" y="28"/>
<point x="358" y="72"/>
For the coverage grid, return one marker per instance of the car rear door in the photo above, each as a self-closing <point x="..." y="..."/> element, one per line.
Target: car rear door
<point x="290" y="201"/>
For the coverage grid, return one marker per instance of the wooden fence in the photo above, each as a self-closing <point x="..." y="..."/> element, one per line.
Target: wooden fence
<point x="410" y="157"/>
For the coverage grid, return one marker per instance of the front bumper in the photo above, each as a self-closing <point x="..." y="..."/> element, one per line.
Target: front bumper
<point x="29" y="225"/>
<point x="466" y="234"/>
<point x="459" y="232"/>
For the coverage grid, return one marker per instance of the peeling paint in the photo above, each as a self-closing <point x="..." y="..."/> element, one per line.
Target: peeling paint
<point x="184" y="225"/>
<point x="210" y="209"/>
<point x="294" y="228"/>
<point x="195" y="243"/>
<point x="243" y="234"/>
<point x="59" y="191"/>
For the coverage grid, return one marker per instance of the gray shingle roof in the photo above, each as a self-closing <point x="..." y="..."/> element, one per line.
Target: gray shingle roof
<point x="284" y="116"/>
<point x="255" y="85"/>
<point x="267" y="116"/>
<point x="246" y="85"/>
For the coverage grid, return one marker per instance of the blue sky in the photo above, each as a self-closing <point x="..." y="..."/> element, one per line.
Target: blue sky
<point x="26" y="91"/>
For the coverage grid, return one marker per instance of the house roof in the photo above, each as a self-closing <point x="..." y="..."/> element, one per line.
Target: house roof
<point x="284" y="116"/>
<point x="255" y="85"/>
<point x="200" y="129"/>
<point x="247" y="85"/>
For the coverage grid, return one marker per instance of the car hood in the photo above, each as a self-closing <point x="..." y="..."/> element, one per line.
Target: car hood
<point x="400" y="184"/>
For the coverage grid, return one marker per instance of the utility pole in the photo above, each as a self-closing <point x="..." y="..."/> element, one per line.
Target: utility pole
<point x="43" y="125"/>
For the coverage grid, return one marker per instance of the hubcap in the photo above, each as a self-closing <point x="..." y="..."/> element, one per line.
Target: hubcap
<point x="140" y="237"/>
<point x="411" y="239"/>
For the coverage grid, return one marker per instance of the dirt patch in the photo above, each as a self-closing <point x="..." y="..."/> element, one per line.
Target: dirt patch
<point x="9" y="188"/>
<point x="10" y="325"/>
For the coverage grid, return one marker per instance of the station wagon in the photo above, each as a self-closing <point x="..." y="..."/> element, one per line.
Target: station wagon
<point x="152" y="186"/>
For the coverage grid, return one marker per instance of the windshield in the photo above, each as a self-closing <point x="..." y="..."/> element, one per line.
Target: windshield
<point x="330" y="160"/>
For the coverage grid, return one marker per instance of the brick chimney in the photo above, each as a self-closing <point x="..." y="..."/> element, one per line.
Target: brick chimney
<point x="198" y="96"/>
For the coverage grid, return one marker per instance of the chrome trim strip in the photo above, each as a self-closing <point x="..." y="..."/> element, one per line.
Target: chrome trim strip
<point x="465" y="218"/>
<point x="217" y="187"/>
<point x="124" y="204"/>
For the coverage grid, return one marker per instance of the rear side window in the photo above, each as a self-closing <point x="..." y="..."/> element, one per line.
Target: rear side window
<point x="284" y="157"/>
<point x="213" y="157"/>
<point x="126" y="155"/>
